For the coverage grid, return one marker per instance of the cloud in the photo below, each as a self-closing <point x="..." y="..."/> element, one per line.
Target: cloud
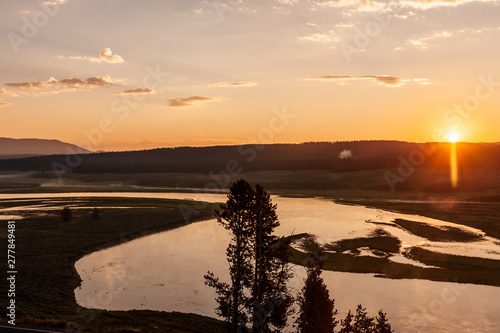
<point x="137" y="91"/>
<point x="329" y="37"/>
<point x="236" y="84"/>
<point x="427" y="4"/>
<point x="106" y="55"/>
<point x="188" y="101"/>
<point x="2" y="103"/>
<point x="54" y="2"/>
<point x="386" y="80"/>
<point x="437" y="37"/>
<point x="64" y="84"/>
<point x="8" y="93"/>
<point x="345" y="154"/>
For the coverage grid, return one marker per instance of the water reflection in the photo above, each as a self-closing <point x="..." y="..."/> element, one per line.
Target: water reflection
<point x="165" y="272"/>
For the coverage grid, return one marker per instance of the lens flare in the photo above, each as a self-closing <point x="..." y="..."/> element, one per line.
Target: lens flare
<point x="453" y="164"/>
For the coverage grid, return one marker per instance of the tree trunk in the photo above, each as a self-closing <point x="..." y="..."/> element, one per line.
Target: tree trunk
<point x="257" y="293"/>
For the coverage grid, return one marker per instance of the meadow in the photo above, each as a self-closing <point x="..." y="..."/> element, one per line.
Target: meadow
<point x="47" y="249"/>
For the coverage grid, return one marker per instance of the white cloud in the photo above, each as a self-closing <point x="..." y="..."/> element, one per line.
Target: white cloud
<point x="106" y="55"/>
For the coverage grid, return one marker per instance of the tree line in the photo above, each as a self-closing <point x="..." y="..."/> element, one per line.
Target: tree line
<point x="257" y="297"/>
<point x="366" y="155"/>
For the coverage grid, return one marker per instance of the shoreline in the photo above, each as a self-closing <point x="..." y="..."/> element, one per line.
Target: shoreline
<point x="59" y="250"/>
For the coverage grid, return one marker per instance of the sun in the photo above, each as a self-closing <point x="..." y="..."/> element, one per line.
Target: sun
<point x="453" y="137"/>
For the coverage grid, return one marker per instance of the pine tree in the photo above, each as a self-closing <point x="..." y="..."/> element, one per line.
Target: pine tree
<point x="346" y="324"/>
<point x="382" y="324"/>
<point x="317" y="313"/>
<point x="236" y="215"/>
<point x="257" y="294"/>
<point x="362" y="322"/>
<point x="271" y="299"/>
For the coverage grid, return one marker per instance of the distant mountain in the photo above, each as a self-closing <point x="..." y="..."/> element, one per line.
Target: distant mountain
<point x="18" y="148"/>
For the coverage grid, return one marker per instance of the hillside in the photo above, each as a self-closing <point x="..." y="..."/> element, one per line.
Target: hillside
<point x="335" y="156"/>
<point x="18" y="148"/>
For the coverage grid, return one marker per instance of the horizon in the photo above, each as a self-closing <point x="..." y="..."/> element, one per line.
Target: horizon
<point x="256" y="143"/>
<point x="226" y="73"/>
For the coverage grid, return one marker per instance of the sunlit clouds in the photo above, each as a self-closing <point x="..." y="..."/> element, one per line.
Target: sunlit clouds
<point x="54" y="2"/>
<point x="328" y="37"/>
<point x="429" y="4"/>
<point x="236" y="84"/>
<point x="137" y="91"/>
<point x="8" y="93"/>
<point x="399" y="65"/>
<point x="188" y="101"/>
<point x="106" y="55"/>
<point x="386" y="80"/>
<point x="55" y="85"/>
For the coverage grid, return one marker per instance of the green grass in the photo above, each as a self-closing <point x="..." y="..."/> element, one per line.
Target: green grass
<point x="47" y="249"/>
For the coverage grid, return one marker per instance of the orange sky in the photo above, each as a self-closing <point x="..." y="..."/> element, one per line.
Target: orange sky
<point x="112" y="75"/>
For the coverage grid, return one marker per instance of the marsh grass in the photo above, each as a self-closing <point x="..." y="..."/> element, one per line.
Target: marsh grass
<point x="47" y="249"/>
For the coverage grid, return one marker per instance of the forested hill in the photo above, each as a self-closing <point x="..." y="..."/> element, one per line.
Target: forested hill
<point x="335" y="156"/>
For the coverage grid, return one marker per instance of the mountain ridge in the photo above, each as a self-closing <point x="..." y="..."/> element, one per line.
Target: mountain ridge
<point x="28" y="147"/>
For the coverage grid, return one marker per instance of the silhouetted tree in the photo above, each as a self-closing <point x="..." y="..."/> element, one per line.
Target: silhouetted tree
<point x="271" y="300"/>
<point x="316" y="308"/>
<point x="258" y="294"/>
<point x="95" y="214"/>
<point x="382" y="324"/>
<point x="362" y="322"/>
<point x="236" y="215"/>
<point x="346" y="324"/>
<point x="66" y="214"/>
<point x="365" y="324"/>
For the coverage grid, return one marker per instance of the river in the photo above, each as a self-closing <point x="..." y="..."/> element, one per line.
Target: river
<point x="165" y="271"/>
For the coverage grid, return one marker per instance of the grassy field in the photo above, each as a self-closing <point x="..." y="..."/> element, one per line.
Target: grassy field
<point x="47" y="249"/>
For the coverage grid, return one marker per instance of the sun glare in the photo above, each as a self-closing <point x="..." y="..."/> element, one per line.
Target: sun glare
<point x="453" y="137"/>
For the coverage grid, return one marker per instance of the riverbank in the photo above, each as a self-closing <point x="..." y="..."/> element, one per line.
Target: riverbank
<point x="47" y="249"/>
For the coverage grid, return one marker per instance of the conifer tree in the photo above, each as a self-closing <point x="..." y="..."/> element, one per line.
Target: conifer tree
<point x="362" y="322"/>
<point x="317" y="312"/>
<point x="382" y="323"/>
<point x="257" y="296"/>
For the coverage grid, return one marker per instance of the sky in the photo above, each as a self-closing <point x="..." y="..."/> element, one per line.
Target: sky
<point x="130" y="74"/>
